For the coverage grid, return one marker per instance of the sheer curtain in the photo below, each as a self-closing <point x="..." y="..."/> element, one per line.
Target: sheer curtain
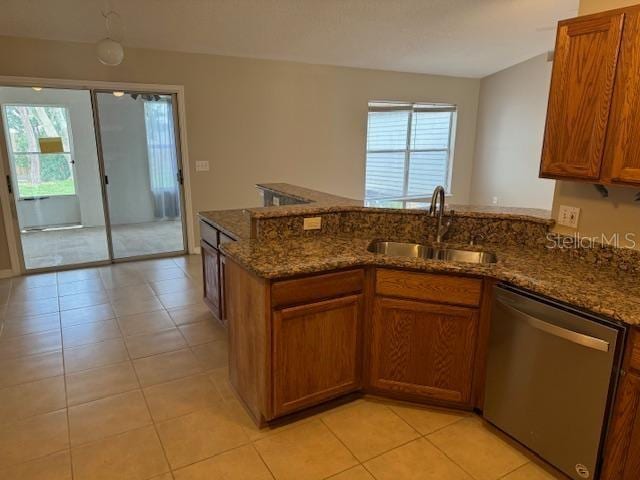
<point x="163" y="165"/>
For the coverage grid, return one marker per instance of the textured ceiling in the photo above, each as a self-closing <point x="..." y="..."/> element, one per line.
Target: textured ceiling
<point x="453" y="37"/>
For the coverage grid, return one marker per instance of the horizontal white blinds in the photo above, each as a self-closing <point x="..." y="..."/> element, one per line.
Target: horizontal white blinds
<point x="407" y="149"/>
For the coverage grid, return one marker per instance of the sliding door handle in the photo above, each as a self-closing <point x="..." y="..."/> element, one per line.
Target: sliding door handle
<point x="9" y="185"/>
<point x="556" y="331"/>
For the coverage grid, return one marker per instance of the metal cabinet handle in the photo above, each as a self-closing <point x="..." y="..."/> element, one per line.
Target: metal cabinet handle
<point x="570" y="335"/>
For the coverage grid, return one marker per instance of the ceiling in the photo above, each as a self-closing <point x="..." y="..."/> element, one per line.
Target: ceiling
<point x="471" y="38"/>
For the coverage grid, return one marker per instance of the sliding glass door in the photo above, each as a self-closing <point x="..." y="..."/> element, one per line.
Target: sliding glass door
<point x="54" y="176"/>
<point x="94" y="175"/>
<point x="142" y="172"/>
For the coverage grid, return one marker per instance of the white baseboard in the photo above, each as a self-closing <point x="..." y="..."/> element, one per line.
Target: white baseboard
<point x="6" y="273"/>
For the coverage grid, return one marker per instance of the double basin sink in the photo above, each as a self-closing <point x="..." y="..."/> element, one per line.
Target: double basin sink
<point x="416" y="250"/>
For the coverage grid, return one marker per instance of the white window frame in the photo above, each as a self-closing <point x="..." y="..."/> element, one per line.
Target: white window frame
<point x="12" y="163"/>
<point x="381" y="105"/>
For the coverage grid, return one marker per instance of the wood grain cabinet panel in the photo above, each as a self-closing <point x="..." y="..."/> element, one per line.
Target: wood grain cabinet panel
<point x="582" y="81"/>
<point x="316" y="352"/>
<point x="423" y="350"/>
<point x="211" y="277"/>
<point x="622" y="152"/>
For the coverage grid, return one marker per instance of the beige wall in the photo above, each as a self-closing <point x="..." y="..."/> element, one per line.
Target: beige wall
<point x="616" y="214"/>
<point x="511" y="116"/>
<point x="262" y="121"/>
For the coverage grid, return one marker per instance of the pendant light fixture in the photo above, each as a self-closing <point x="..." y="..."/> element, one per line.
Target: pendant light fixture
<point x="110" y="51"/>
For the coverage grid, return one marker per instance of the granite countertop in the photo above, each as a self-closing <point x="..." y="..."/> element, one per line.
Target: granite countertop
<point x="234" y="223"/>
<point x="602" y="290"/>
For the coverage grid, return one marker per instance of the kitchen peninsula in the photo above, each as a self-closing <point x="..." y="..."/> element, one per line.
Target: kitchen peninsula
<point x="314" y="314"/>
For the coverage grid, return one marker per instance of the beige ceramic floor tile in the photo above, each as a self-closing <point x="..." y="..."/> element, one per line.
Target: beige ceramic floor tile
<point x="53" y="467"/>
<point x="200" y="435"/>
<point x="33" y="438"/>
<point x="220" y="378"/>
<point x="108" y="416"/>
<point x="82" y="286"/>
<point x="143" y="323"/>
<point x="86" y="333"/>
<point x="163" y="274"/>
<point x="166" y="366"/>
<point x="242" y="463"/>
<point x="27" y="325"/>
<point x="131" y="292"/>
<point x="427" y="420"/>
<point x="36" y="293"/>
<point x="135" y="455"/>
<point x="31" y="308"/>
<point x="531" y="471"/>
<point x="29" y="399"/>
<point x="128" y="306"/>
<point x="191" y="314"/>
<point x="369" y="429"/>
<point x="81" y="300"/>
<point x="151" y="344"/>
<point x="181" y="299"/>
<point x="355" y="473"/>
<point x="79" y="316"/>
<point x="32" y="344"/>
<point x="95" y="355"/>
<point x="203" y="332"/>
<point x="478" y="449"/>
<point x="28" y="369"/>
<point x="179" y="397"/>
<point x="308" y="451"/>
<point x="32" y="281"/>
<point x="78" y="275"/>
<point x="417" y="460"/>
<point x="100" y="382"/>
<point x="173" y="285"/>
<point x="212" y="355"/>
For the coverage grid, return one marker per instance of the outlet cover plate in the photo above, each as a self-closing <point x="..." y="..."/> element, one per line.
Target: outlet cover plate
<point x="312" y="223"/>
<point x="202" y="166"/>
<point x="568" y="216"/>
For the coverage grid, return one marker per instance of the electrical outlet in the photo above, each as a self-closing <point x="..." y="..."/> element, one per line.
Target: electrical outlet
<point x="202" y="166"/>
<point x="494" y="200"/>
<point x="276" y="200"/>
<point x="568" y="216"/>
<point x="312" y="223"/>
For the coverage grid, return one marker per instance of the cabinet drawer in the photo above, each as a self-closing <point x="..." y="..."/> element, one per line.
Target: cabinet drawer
<point x="317" y="287"/>
<point x="225" y="238"/>
<point x="429" y="287"/>
<point x="209" y="234"/>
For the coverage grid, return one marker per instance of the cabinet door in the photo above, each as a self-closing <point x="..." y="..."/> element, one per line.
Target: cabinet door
<point x="316" y="352"/>
<point x="579" y="100"/>
<point x="423" y="350"/>
<point x="622" y="151"/>
<point x="211" y="277"/>
<point x="223" y="289"/>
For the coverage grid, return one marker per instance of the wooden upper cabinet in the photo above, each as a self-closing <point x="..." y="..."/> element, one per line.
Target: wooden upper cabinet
<point x="582" y="83"/>
<point x="622" y="152"/>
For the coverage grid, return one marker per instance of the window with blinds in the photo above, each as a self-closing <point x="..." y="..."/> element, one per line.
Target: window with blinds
<point x="408" y="150"/>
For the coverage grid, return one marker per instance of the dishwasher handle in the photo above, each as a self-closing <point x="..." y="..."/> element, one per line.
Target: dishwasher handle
<point x="555" y="330"/>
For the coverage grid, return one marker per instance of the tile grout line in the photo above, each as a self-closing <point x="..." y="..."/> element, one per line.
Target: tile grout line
<point x="450" y="459"/>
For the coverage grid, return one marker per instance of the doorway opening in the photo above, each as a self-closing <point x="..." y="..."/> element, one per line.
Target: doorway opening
<point x="95" y="176"/>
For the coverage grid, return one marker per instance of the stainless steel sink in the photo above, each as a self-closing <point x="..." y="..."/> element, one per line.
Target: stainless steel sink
<point x="416" y="250"/>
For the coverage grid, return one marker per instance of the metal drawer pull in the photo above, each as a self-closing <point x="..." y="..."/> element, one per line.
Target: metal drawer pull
<point x="570" y="335"/>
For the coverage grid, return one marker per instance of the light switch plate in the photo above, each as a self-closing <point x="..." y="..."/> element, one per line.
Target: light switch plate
<point x="568" y="216"/>
<point x="312" y="223"/>
<point x="276" y="200"/>
<point x="202" y="166"/>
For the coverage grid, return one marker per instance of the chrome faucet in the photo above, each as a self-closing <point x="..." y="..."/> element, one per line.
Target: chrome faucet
<point x="438" y="198"/>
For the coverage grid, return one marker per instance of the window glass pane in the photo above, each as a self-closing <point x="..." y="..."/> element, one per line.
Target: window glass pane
<point x="430" y="130"/>
<point x="27" y="123"/>
<point x="387" y="130"/>
<point x="427" y="170"/>
<point x="385" y="175"/>
<point x="44" y="175"/>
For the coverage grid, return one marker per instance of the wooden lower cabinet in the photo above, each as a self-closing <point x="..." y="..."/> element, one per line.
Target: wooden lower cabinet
<point x="423" y="350"/>
<point x="316" y="352"/>
<point x="211" y="277"/>
<point x="622" y="447"/>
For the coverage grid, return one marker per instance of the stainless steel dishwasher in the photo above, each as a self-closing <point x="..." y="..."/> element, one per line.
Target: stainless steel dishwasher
<point x="551" y="374"/>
